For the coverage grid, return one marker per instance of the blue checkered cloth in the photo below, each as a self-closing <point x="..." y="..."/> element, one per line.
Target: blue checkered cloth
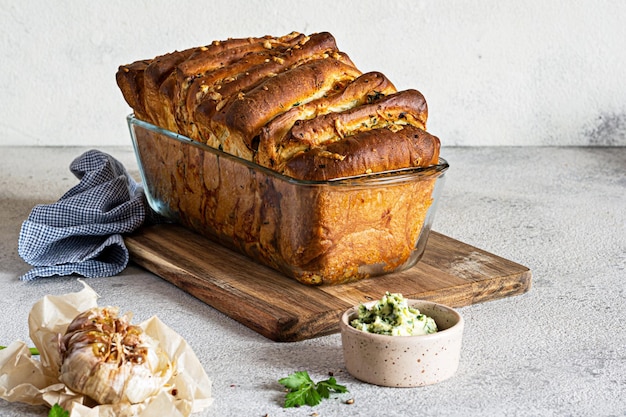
<point x="82" y="232"/>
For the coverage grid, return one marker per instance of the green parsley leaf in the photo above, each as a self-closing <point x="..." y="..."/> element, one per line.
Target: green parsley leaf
<point x="58" y="411"/>
<point x="297" y="380"/>
<point x="325" y="387"/>
<point x="303" y="391"/>
<point x="308" y="396"/>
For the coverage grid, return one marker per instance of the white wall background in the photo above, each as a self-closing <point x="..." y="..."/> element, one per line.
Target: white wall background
<point x="528" y="72"/>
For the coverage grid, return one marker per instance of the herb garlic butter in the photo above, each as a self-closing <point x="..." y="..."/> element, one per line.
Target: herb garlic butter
<point x="392" y="316"/>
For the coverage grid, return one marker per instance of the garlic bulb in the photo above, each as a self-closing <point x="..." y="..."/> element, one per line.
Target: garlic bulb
<point x="106" y="358"/>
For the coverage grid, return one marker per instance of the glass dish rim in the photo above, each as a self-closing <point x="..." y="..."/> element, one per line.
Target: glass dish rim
<point x="385" y="177"/>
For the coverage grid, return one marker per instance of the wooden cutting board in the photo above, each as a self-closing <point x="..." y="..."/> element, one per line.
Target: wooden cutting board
<point x="281" y="309"/>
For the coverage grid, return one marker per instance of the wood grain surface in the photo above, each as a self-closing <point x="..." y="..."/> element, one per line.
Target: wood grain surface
<point x="281" y="309"/>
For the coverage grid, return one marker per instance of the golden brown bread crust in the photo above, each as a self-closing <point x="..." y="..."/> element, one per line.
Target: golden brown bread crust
<point x="268" y="99"/>
<point x="130" y="79"/>
<point x="156" y="74"/>
<point x="242" y="117"/>
<point x="319" y="236"/>
<point x="300" y="107"/>
<point x="240" y="61"/>
<point x="382" y="148"/>
<point x="273" y="146"/>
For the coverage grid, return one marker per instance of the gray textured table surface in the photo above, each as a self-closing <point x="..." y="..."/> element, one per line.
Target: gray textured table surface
<point x="560" y="349"/>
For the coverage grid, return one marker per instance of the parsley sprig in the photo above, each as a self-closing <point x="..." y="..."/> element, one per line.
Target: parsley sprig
<point x="58" y="411"/>
<point x="301" y="390"/>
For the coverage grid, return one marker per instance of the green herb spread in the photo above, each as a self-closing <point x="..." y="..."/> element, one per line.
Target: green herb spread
<point x="392" y="316"/>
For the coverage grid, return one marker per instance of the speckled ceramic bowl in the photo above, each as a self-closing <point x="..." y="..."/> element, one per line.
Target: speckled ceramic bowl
<point x="404" y="361"/>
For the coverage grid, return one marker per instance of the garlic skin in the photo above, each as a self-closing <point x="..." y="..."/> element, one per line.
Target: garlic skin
<point x="111" y="361"/>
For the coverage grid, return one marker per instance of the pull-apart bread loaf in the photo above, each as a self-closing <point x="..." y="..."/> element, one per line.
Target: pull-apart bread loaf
<point x="294" y="104"/>
<point x="298" y="106"/>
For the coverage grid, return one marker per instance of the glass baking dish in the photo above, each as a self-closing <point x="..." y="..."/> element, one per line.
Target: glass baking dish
<point x="317" y="232"/>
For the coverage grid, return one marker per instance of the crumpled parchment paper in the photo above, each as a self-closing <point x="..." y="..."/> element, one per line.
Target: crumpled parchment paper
<point x="29" y="380"/>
